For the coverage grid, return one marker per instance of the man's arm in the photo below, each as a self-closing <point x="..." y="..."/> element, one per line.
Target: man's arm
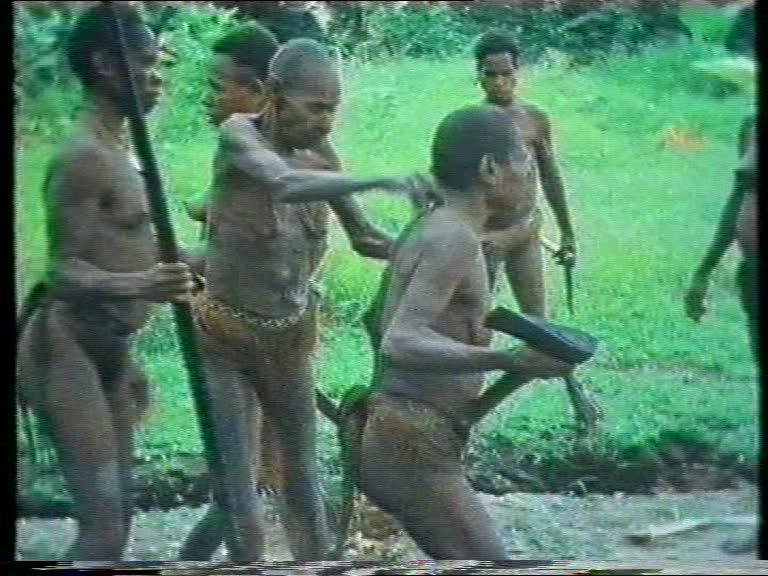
<point x="411" y="342"/>
<point x="552" y="182"/>
<point x="365" y="238"/>
<point x="269" y="170"/>
<point x="289" y="185"/>
<point x="725" y="235"/>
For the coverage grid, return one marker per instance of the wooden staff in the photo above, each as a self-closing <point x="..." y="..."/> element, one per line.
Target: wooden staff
<point x="169" y="253"/>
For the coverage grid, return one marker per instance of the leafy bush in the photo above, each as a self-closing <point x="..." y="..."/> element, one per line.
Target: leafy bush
<point x="441" y="31"/>
<point x="46" y="91"/>
<point x="191" y="34"/>
<point x="48" y="95"/>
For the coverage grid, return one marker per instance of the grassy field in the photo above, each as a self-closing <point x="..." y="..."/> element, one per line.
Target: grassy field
<point x="643" y="216"/>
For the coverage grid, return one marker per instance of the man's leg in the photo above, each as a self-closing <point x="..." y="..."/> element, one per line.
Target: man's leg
<point x="126" y="409"/>
<point x="288" y="396"/>
<point x="270" y="467"/>
<point x="208" y="533"/>
<point x="233" y="404"/>
<point x="72" y="403"/>
<point x="452" y="523"/>
<point x="524" y="267"/>
<point x="525" y="273"/>
<point x="426" y="492"/>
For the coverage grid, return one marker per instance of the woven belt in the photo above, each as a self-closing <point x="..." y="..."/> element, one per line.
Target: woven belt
<point x="256" y="320"/>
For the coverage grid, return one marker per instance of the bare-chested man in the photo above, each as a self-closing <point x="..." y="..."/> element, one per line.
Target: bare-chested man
<point x="434" y="348"/>
<point x="497" y="59"/>
<point x="237" y="86"/>
<point x="267" y="236"/>
<point x="737" y="223"/>
<point x="73" y="362"/>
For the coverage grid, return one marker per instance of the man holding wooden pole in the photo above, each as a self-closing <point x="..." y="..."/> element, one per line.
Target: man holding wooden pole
<point x="73" y="364"/>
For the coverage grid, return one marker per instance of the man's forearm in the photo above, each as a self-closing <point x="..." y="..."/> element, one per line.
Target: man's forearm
<point x="350" y="215"/>
<point x="725" y="233"/>
<point x="554" y="192"/>
<point x="439" y="354"/>
<point x="75" y="278"/>
<point x="315" y="185"/>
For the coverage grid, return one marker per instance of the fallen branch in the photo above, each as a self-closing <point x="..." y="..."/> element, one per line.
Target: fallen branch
<point x="653" y="533"/>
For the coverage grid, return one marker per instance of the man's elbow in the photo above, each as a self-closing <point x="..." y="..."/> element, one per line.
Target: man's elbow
<point x="396" y="348"/>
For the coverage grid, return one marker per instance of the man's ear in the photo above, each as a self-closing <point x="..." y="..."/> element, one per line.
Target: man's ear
<point x="488" y="171"/>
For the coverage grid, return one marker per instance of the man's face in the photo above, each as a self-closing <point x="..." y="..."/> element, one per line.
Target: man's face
<point x="143" y="63"/>
<point x="498" y="77"/>
<point x="233" y="90"/>
<point x="305" y="117"/>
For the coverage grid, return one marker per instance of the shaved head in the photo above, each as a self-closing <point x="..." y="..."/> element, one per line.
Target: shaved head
<point x="464" y="137"/>
<point x="302" y="65"/>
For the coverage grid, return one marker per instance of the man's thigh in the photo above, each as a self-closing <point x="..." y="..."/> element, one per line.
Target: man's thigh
<point x="524" y="267"/>
<point x="439" y="510"/>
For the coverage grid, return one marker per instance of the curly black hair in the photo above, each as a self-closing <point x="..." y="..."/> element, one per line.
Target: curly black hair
<point x="497" y="42"/>
<point x="250" y="45"/>
<point x="92" y="33"/>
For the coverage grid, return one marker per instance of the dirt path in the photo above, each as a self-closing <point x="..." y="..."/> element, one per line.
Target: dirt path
<point x="533" y="525"/>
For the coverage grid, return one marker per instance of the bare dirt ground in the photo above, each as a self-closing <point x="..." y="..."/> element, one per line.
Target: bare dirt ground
<point x="533" y="525"/>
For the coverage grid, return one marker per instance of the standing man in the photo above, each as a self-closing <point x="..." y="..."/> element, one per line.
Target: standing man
<point x="737" y="223"/>
<point x="238" y="87"/>
<point x="514" y="223"/>
<point x="258" y="316"/>
<point x="498" y="62"/>
<point x="434" y="348"/>
<point x="73" y="365"/>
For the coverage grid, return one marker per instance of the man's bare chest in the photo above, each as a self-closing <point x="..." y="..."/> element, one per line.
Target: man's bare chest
<point x="526" y="125"/>
<point x="122" y="203"/>
<point x="471" y="297"/>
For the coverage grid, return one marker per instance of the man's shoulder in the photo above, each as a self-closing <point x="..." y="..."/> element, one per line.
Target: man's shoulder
<point x="447" y="238"/>
<point x="241" y="132"/>
<point x="535" y="112"/>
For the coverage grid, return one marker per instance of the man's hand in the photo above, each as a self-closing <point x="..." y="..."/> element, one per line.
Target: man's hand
<point x="167" y="283"/>
<point x="418" y="187"/>
<point x="695" y="297"/>
<point x="373" y="243"/>
<point x="535" y="364"/>
<point x="566" y="254"/>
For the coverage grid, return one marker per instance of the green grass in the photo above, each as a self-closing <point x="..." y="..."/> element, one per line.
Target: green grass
<point x="643" y="216"/>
